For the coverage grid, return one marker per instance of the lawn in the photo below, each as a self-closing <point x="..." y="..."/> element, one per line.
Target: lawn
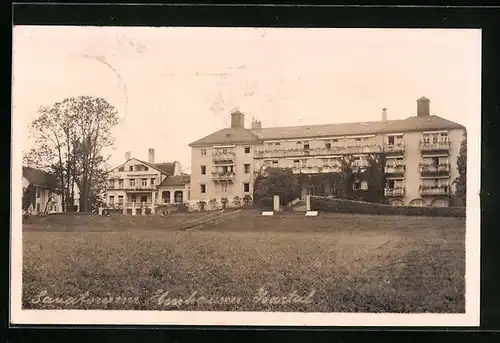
<point x="329" y="263"/>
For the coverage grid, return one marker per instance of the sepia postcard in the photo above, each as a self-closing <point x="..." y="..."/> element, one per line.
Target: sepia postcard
<point x="245" y="176"/>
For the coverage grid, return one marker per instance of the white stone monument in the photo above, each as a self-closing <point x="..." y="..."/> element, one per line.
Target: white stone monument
<point x="309" y="213"/>
<point x="276" y="206"/>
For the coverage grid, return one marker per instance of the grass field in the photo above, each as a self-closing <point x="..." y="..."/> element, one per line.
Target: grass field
<point x="334" y="262"/>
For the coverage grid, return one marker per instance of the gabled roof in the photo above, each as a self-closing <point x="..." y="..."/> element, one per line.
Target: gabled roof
<point x="39" y="177"/>
<point x="178" y="180"/>
<point x="164" y="168"/>
<point x="228" y="136"/>
<point x="426" y="123"/>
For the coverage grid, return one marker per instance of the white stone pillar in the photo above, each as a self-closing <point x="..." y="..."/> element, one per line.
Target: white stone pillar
<point x="308" y="202"/>
<point x="276" y="206"/>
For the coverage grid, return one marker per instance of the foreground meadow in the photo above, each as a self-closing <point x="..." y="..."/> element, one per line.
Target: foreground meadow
<point x="329" y="263"/>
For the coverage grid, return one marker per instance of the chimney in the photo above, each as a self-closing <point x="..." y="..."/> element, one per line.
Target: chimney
<point x="151" y="158"/>
<point x="128" y="155"/>
<point x="423" y="107"/>
<point x="237" y="119"/>
<point x="256" y="124"/>
<point x="384" y="114"/>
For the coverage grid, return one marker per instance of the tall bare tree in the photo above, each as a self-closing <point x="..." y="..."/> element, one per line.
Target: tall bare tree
<point x="70" y="137"/>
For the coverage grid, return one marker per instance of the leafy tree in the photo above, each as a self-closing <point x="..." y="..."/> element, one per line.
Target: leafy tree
<point x="70" y="137"/>
<point x="29" y="197"/>
<point x="461" y="181"/>
<point x="276" y="181"/>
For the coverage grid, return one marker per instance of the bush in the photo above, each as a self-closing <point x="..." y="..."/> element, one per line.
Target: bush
<point x="247" y="200"/>
<point x="183" y="208"/>
<point x="267" y="203"/>
<point x="201" y="205"/>
<point x="350" y="206"/>
<point x="237" y="202"/>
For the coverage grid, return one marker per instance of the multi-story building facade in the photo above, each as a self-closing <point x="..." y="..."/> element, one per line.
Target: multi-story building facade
<point x="139" y="188"/>
<point x="419" y="152"/>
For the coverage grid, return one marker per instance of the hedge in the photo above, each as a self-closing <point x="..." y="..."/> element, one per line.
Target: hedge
<point x="349" y="206"/>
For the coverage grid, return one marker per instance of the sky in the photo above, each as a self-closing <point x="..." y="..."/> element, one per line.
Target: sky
<point x="172" y="86"/>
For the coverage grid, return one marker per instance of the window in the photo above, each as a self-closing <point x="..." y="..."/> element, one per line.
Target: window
<point x="144" y="198"/>
<point x="203" y="189"/>
<point x="224" y="151"/>
<point x="120" y="183"/>
<point x="364" y="185"/>
<point x="121" y="169"/>
<point x="203" y="152"/>
<point x="131" y="168"/>
<point x="299" y="144"/>
<point x="178" y="196"/>
<point x="38" y="192"/>
<point x="111" y="199"/>
<point x="166" y="197"/>
<point x="335" y="140"/>
<point x="278" y="144"/>
<point x="133" y="198"/>
<point x="306" y="145"/>
<point x="120" y="200"/>
<point x="144" y="182"/>
<point x="132" y="182"/>
<point x="111" y="183"/>
<point x="390" y="184"/>
<point x="153" y="181"/>
<point x="328" y="145"/>
<point x="203" y="170"/>
<point x="275" y="162"/>
<point x="434" y="139"/>
<point x="246" y="187"/>
<point x="146" y="168"/>
<point x="390" y="140"/>
<point x="247" y="150"/>
<point x="247" y="168"/>
<point x="356" y="185"/>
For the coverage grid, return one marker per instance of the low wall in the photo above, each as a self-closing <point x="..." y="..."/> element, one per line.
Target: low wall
<point x="324" y="204"/>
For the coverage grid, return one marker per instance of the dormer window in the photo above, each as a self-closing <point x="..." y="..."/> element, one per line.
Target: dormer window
<point x="121" y="169"/>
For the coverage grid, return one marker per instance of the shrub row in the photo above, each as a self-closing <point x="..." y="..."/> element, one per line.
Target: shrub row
<point x="349" y="206"/>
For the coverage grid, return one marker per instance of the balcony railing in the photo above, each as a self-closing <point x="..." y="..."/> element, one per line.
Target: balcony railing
<point x="130" y="205"/>
<point x="219" y="156"/>
<point x="395" y="169"/>
<point x="434" y="146"/>
<point x="434" y="190"/>
<point x="432" y="169"/>
<point x="270" y="153"/>
<point x="394" y="192"/>
<point x="394" y="147"/>
<point x="223" y="176"/>
<point x="132" y="188"/>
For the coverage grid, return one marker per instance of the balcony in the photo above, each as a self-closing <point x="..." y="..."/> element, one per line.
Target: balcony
<point x="130" y="205"/>
<point x="394" y="148"/>
<point x="219" y="156"/>
<point x="366" y="149"/>
<point x="294" y="152"/>
<point x="434" y="190"/>
<point x="431" y="169"/>
<point x="218" y="176"/>
<point x="395" y="169"/>
<point x="434" y="146"/>
<point x="394" y="192"/>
